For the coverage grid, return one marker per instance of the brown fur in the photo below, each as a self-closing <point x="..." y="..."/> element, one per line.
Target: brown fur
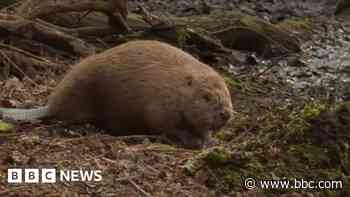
<point x="145" y="86"/>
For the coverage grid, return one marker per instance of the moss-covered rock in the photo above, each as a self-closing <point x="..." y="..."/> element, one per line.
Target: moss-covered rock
<point x="301" y="26"/>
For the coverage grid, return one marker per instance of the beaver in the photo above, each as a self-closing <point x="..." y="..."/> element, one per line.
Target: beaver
<point x="141" y="87"/>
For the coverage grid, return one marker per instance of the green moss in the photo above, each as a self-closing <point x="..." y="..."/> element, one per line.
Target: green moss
<point x="230" y="168"/>
<point x="231" y="83"/>
<point x="225" y="135"/>
<point x="191" y="167"/>
<point x="245" y="86"/>
<point x="296" y="24"/>
<point x="313" y="110"/>
<point x="296" y="128"/>
<point x="217" y="19"/>
<point x="251" y="21"/>
<point x="5" y="127"/>
<point x="232" y="178"/>
<point x="218" y="156"/>
<point x="345" y="107"/>
<point x="309" y="154"/>
<point x="181" y="36"/>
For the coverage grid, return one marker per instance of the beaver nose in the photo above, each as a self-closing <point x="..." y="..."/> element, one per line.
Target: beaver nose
<point x="225" y="115"/>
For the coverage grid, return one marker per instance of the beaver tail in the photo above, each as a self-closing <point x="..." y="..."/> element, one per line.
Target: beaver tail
<point x="24" y="114"/>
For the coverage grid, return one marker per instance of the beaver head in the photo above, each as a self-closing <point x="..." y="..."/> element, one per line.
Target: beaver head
<point x="208" y="110"/>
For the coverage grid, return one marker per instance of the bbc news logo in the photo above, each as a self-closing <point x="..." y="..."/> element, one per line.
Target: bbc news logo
<point x="52" y="175"/>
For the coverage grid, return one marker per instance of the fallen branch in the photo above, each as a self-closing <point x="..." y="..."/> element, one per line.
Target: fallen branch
<point x="143" y="192"/>
<point x="62" y="8"/>
<point x="20" y="59"/>
<point x="18" y="68"/>
<point x="30" y="55"/>
<point x="151" y="19"/>
<point x="115" y="10"/>
<point x="32" y="30"/>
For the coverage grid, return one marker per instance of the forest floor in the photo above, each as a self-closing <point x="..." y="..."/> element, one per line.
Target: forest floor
<point x="291" y="121"/>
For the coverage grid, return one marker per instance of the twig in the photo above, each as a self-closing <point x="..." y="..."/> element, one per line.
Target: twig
<point x="146" y="16"/>
<point x="27" y="54"/>
<point x="265" y="71"/>
<point x="151" y="19"/>
<point x="80" y="18"/>
<point x="139" y="188"/>
<point x="18" y="69"/>
<point x="102" y="42"/>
